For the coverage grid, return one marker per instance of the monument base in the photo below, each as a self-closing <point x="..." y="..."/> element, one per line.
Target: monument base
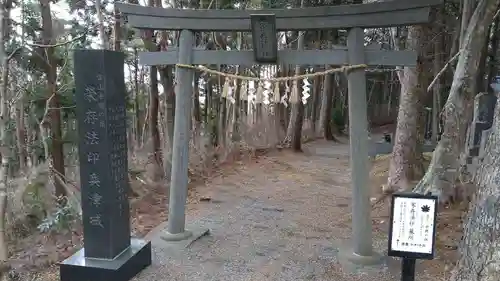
<point x="123" y="268"/>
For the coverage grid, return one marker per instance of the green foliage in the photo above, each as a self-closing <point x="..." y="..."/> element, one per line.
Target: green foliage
<point x="60" y="220"/>
<point x="33" y="200"/>
<point x="275" y="4"/>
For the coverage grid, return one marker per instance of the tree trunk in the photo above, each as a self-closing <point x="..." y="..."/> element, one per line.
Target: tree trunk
<point x="492" y="55"/>
<point x="214" y="112"/>
<point x="100" y="25"/>
<point x="54" y="110"/>
<point x="479" y="82"/>
<point x="327" y="106"/>
<point x="167" y="81"/>
<point x="467" y="10"/>
<point x="299" y="106"/>
<point x="442" y="173"/>
<point x="196" y="100"/>
<point x="316" y="101"/>
<point x="5" y="30"/>
<point x="221" y="120"/>
<point x="153" y="124"/>
<point x="406" y="161"/>
<point x="21" y="135"/>
<point x="137" y="107"/>
<point x="235" y="127"/>
<point x="479" y="249"/>
<point x="437" y="65"/>
<point x="116" y="29"/>
<point x="325" y="114"/>
<point x="297" y="126"/>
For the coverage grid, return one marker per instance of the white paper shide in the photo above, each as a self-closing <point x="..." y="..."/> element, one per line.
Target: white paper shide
<point x="413" y="225"/>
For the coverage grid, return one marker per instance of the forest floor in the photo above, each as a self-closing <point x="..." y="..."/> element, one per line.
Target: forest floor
<point x="287" y="215"/>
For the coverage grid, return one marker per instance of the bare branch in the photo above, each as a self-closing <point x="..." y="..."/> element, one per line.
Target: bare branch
<point x="442" y="71"/>
<point x="55" y="45"/>
<point x="11" y="55"/>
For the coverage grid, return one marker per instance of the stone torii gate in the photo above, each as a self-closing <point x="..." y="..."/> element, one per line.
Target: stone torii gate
<point x="352" y="17"/>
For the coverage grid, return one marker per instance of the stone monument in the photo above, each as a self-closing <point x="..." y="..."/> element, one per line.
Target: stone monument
<point x="109" y="253"/>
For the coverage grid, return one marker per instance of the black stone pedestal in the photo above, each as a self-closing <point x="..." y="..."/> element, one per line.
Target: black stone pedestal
<point x="122" y="268"/>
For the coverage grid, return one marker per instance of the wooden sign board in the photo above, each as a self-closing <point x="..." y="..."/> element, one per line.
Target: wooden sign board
<point x="412" y="230"/>
<point x="265" y="44"/>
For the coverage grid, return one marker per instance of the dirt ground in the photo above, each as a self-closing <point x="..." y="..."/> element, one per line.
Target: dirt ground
<point x="149" y="210"/>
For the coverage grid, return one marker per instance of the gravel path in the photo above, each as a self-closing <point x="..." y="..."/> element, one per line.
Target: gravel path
<point x="285" y="217"/>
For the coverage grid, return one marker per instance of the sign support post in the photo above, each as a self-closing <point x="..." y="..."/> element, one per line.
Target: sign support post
<point x="408" y="269"/>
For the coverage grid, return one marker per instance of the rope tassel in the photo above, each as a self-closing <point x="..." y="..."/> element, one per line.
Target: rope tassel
<point x="259" y="94"/>
<point x="345" y="69"/>
<point x="225" y="88"/>
<point x="244" y="91"/>
<point x="266" y="92"/>
<point x="294" y="96"/>
<point x="267" y="85"/>
<point x="305" y="90"/>
<point x="276" y="93"/>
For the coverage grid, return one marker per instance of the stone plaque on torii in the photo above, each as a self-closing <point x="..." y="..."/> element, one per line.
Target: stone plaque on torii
<point x="352" y="17"/>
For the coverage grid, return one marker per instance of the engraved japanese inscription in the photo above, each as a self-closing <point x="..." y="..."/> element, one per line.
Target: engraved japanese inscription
<point x="91" y="145"/>
<point x="118" y="154"/>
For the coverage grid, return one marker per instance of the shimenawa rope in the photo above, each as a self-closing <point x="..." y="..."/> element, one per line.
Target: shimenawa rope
<point x="345" y="69"/>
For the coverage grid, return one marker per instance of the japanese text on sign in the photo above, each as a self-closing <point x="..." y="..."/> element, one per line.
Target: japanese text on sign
<point x="413" y="225"/>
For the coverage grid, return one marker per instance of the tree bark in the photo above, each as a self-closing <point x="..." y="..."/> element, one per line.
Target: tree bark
<point x="467" y="10"/>
<point x="406" y="161"/>
<point x="437" y="66"/>
<point x="235" y="127"/>
<point x="21" y="135"/>
<point x="329" y="91"/>
<point x="100" y="25"/>
<point x="316" y="101"/>
<point x="299" y="106"/>
<point x="196" y="101"/>
<point x="479" y="249"/>
<point x="5" y="30"/>
<point x="167" y="81"/>
<point x="137" y="108"/>
<point x="153" y="124"/>
<point x="116" y="29"/>
<point x="440" y="178"/>
<point x="54" y="110"/>
<point x="479" y="82"/>
<point x="492" y="55"/>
